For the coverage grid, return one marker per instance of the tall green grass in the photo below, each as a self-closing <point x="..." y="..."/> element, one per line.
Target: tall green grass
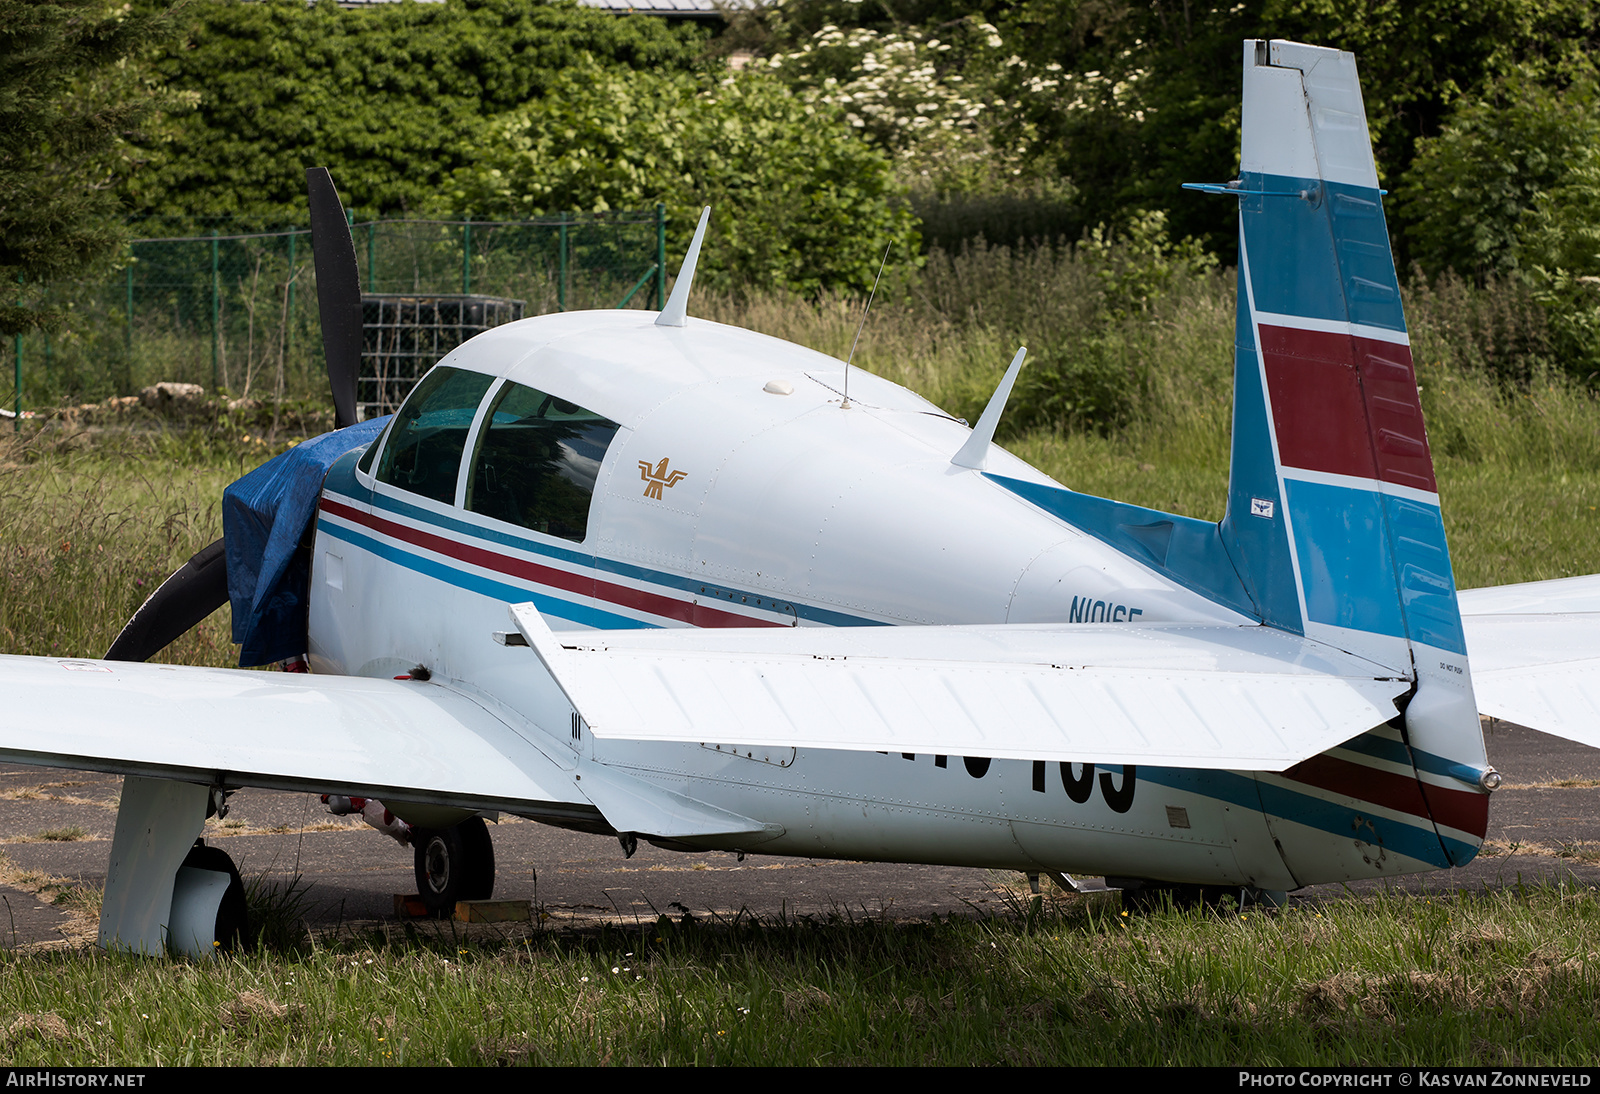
<point x="91" y="525"/>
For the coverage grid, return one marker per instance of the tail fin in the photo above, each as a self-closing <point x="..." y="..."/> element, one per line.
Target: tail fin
<point x="1333" y="512"/>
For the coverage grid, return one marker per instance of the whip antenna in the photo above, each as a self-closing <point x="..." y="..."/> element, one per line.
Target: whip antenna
<point x="846" y="404"/>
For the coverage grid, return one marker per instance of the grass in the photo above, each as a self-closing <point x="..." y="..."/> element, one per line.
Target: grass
<point x="69" y="834"/>
<point x="1504" y="977"/>
<point x="91" y="524"/>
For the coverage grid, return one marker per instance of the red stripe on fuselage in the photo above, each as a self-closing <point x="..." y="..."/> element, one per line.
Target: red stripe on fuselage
<point x="1464" y="810"/>
<point x="1459" y="809"/>
<point x="1346" y="405"/>
<point x="698" y="615"/>
<point x="1369" y="784"/>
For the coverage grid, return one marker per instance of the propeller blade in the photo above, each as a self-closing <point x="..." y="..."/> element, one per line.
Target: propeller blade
<point x="198" y="588"/>
<point x="338" y="292"/>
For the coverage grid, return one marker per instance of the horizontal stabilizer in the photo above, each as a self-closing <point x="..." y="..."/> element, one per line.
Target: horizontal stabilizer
<point x="1205" y="696"/>
<point x="1536" y="654"/>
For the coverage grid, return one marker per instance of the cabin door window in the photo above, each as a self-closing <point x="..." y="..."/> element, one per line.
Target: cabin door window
<point x="537" y="461"/>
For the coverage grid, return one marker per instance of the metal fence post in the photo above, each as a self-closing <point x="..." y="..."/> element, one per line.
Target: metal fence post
<point x="561" y="283"/>
<point x="661" y="256"/>
<point x="288" y="307"/>
<point x="216" y="307"/>
<point x="372" y="256"/>
<point x="16" y="374"/>
<point x="466" y="257"/>
<point x="127" y="335"/>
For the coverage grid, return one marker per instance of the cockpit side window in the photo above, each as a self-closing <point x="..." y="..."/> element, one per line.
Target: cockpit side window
<point x="537" y="461"/>
<point x="429" y="433"/>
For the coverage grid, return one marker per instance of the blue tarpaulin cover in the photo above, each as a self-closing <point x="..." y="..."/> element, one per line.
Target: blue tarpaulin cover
<point x="264" y="518"/>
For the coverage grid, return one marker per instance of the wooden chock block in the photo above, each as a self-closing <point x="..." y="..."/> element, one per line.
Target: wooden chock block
<point x="493" y="911"/>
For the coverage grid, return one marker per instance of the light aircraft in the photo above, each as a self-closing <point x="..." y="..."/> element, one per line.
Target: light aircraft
<point x="648" y="575"/>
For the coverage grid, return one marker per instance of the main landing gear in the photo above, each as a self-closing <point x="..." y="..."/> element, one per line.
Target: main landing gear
<point x="453" y="864"/>
<point x="165" y="889"/>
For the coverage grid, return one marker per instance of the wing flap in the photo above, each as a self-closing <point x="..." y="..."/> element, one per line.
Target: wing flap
<point x="1244" y="698"/>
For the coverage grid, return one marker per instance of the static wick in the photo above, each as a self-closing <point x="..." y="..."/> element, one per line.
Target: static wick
<point x="846" y="404"/>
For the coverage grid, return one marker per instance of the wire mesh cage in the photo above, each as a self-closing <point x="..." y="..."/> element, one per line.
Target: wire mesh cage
<point x="402" y="336"/>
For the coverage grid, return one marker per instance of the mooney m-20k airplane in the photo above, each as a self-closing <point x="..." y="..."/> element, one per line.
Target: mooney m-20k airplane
<point x="648" y="575"/>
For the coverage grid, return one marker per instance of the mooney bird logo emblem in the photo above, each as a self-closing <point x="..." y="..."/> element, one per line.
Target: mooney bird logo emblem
<point x="657" y="477"/>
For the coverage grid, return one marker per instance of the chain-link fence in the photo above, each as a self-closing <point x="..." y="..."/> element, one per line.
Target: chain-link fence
<point x="237" y="310"/>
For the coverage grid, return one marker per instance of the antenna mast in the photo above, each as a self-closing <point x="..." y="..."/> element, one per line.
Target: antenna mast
<point x="846" y="404"/>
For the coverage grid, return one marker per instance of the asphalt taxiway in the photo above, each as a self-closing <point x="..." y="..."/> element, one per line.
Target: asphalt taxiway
<point x="56" y="827"/>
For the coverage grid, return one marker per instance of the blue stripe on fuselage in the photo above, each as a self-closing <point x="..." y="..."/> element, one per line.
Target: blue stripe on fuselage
<point x="807" y="612"/>
<point x="1410" y="840"/>
<point x="342" y="480"/>
<point x="497" y="590"/>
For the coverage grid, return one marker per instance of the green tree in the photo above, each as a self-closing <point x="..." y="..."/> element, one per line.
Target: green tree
<point x="392" y="99"/>
<point x="1559" y="256"/>
<point x="799" y="201"/>
<point x="1149" y="93"/>
<point x="1466" y="196"/>
<point x="925" y="95"/>
<point x="68" y="100"/>
<point x="1120" y="102"/>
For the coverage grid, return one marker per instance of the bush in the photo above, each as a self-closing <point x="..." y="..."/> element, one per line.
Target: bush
<point x="391" y="98"/>
<point x="800" y="204"/>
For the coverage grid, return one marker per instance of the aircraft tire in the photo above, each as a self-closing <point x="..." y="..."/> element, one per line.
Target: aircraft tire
<point x="454" y="864"/>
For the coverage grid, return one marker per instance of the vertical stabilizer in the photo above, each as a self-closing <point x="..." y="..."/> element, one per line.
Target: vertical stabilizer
<point x="1333" y="513"/>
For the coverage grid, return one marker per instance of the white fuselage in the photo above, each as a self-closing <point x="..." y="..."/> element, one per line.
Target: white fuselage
<point x="723" y="502"/>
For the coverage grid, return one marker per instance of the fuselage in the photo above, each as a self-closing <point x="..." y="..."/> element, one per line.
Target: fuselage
<point x="619" y="474"/>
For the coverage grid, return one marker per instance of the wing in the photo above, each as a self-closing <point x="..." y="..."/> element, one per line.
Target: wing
<point x="400" y="741"/>
<point x="1535" y="652"/>
<point x="1215" y="696"/>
